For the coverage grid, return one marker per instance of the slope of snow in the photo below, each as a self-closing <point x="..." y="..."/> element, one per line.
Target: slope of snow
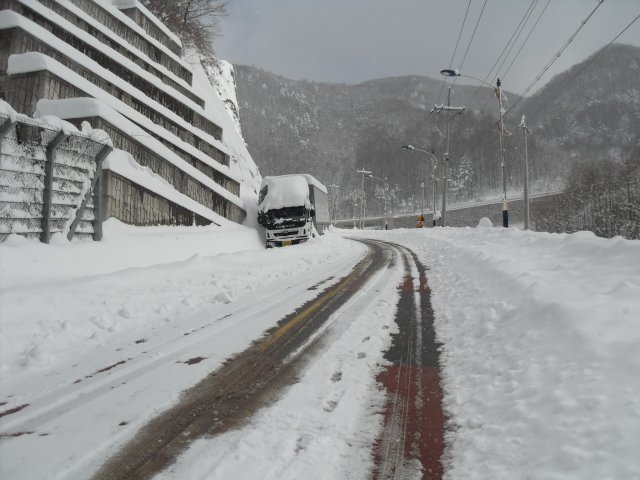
<point x="241" y="162"/>
<point x="221" y="76"/>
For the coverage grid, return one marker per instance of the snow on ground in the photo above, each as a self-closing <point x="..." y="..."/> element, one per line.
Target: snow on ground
<point x="324" y="426"/>
<point x="541" y="335"/>
<point x="80" y="320"/>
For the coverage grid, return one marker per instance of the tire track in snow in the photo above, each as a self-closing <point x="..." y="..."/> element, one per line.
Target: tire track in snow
<point x="247" y="382"/>
<point x="412" y="440"/>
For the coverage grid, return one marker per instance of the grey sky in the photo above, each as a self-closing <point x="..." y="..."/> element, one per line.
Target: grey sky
<point x="356" y="40"/>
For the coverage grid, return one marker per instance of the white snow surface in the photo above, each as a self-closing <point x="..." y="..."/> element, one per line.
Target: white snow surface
<point x="539" y="334"/>
<point x="221" y="76"/>
<point x="285" y="191"/>
<point x="139" y="297"/>
<point x="242" y="164"/>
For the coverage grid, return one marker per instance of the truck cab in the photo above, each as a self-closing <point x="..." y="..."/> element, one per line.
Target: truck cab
<point x="292" y="209"/>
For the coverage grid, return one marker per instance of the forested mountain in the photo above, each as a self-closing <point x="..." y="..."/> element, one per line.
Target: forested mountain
<point x="329" y="130"/>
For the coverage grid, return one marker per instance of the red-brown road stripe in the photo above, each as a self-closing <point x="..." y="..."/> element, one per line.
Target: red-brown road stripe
<point x="414" y="420"/>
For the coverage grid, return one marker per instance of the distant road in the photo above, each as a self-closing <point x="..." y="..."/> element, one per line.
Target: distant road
<point x="476" y="210"/>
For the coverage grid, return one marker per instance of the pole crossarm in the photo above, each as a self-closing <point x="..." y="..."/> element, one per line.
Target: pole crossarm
<point x="445" y="108"/>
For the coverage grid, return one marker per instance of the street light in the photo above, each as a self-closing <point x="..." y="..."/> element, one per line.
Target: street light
<point x="434" y="161"/>
<point x="386" y="190"/>
<point x="456" y="73"/>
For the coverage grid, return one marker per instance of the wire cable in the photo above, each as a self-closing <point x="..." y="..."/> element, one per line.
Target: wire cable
<point x="504" y="75"/>
<point x="532" y="7"/>
<point x="475" y="93"/>
<point x="556" y="56"/>
<point x="472" y="35"/>
<point x="526" y="20"/>
<point x="454" y="50"/>
<point x="470" y="40"/>
<point x="586" y="65"/>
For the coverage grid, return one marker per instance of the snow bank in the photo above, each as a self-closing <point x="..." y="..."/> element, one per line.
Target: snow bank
<point x="540" y="359"/>
<point x="131" y="302"/>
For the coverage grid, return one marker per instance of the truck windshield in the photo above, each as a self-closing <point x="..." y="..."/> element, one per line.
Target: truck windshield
<point x="288" y="217"/>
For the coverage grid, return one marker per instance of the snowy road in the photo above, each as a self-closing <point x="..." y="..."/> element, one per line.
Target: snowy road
<point x="537" y="364"/>
<point x="226" y="398"/>
<point x="122" y="403"/>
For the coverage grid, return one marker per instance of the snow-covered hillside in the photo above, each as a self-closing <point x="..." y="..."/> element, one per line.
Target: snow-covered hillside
<point x="213" y="80"/>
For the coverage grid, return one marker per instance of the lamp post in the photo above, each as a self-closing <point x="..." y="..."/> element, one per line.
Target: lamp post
<point x="386" y="190"/>
<point x="362" y="207"/>
<point x="498" y="91"/>
<point x="434" y="161"/>
<point x="523" y="125"/>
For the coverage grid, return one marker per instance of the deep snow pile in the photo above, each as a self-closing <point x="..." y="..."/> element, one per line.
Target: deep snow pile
<point x="540" y="337"/>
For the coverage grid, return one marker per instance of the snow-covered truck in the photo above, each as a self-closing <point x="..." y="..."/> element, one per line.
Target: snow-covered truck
<point x="292" y="209"/>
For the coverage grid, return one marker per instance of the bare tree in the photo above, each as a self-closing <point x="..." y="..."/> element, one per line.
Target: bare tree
<point x="196" y="22"/>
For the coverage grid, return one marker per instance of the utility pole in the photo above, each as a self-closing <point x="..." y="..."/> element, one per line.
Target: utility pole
<point x="523" y="124"/>
<point x="363" y="173"/>
<point x="334" y="203"/>
<point x="505" y="207"/>
<point x="433" y="179"/>
<point x="438" y="109"/>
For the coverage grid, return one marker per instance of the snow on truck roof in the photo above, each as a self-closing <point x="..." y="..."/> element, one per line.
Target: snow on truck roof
<point x="288" y="191"/>
<point x="310" y="179"/>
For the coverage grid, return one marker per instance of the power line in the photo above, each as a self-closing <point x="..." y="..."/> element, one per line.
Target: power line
<point x="502" y="53"/>
<point x="515" y="40"/>
<point x="526" y="40"/>
<point x="455" y="49"/>
<point x="556" y="56"/>
<point x="526" y="17"/>
<point x="473" y="35"/>
<point x="586" y="65"/>
<point x="460" y="34"/>
<point x="471" y="40"/>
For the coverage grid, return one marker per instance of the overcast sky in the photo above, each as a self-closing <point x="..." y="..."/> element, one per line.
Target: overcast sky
<point x="356" y="40"/>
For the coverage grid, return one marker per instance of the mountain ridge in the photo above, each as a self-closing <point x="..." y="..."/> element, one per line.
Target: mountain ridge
<point x="329" y="129"/>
